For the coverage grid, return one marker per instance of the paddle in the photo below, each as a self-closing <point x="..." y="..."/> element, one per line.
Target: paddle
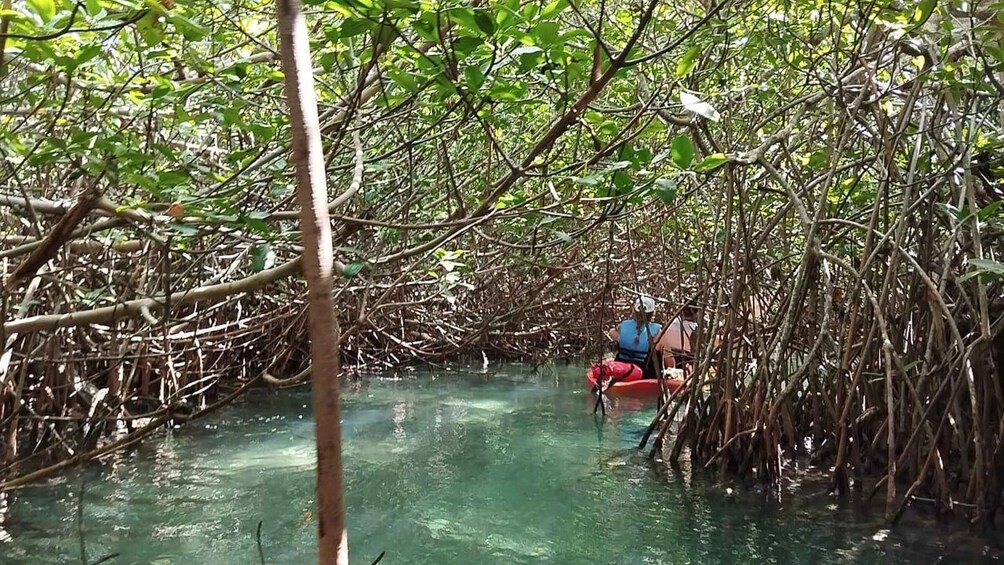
<point x="598" y="387"/>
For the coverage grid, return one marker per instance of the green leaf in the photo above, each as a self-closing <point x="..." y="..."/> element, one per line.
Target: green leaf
<point x="995" y="52"/>
<point x="149" y="29"/>
<point x="563" y="237"/>
<point x="627" y="152"/>
<point x="711" y="162"/>
<point x="257" y="225"/>
<point x="526" y="50"/>
<point x="988" y="266"/>
<point x="464" y="17"/>
<point x="623" y="182"/>
<point x="504" y="16"/>
<point x="475" y="78"/>
<point x="507" y="92"/>
<point x="190" y="29"/>
<point x="687" y="62"/>
<point x="485" y="22"/>
<point x="989" y="210"/>
<point x="666" y="189"/>
<point x="352" y="269"/>
<point x="818" y="160"/>
<point x="93" y="7"/>
<point x="951" y="210"/>
<point x="547" y="33"/>
<point x="46" y="9"/>
<point x="241" y="70"/>
<point x="384" y="34"/>
<point x="640" y="158"/>
<point x="681" y="151"/>
<point x="354" y="26"/>
<point x="553" y="9"/>
<point x="68" y="63"/>
<point x="425" y="29"/>
<point x="591" y="180"/>
<point x="465" y="45"/>
<point x="410" y="6"/>
<point x="983" y="267"/>
<point x="183" y="229"/>
<point x="608" y="127"/>
<point x="923" y="10"/>
<point x="262" y="257"/>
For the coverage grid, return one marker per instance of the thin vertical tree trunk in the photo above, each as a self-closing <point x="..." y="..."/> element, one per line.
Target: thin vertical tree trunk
<point x="4" y="25"/>
<point x="312" y="197"/>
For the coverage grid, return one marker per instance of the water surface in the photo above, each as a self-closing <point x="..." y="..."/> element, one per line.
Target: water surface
<point x="459" y="467"/>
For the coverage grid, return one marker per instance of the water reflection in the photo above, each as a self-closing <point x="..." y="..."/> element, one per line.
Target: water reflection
<point x="4" y="534"/>
<point x="504" y="467"/>
<point x="400" y="411"/>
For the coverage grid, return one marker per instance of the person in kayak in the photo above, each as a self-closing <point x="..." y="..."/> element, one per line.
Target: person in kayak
<point x="634" y="335"/>
<point x="676" y="343"/>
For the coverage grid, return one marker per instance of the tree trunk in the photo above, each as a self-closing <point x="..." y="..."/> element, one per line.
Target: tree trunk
<point x="312" y="197"/>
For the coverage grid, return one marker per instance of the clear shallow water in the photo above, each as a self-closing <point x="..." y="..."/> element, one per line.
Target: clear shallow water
<point x="463" y="468"/>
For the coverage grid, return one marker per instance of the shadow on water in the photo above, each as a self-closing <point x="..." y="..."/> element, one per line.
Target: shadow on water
<point x="462" y="466"/>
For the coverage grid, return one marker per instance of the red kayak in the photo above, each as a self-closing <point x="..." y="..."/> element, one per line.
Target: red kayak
<point x="628" y="380"/>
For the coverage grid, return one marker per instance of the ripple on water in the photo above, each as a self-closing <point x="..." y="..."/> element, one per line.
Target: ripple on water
<point x="274" y="454"/>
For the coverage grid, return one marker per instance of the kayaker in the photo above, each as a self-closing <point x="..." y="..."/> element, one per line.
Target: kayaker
<point x="634" y="335"/>
<point x="676" y="342"/>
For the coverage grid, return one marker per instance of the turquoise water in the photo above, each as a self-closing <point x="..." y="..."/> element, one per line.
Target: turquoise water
<point x="458" y="468"/>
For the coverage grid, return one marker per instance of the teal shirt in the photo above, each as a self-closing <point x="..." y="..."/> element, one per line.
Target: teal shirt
<point x="635" y="351"/>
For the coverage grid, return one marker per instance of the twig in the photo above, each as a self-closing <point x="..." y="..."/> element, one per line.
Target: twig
<point x="257" y="537"/>
<point x="80" y="523"/>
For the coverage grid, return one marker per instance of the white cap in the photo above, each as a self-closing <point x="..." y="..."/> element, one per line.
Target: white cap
<point x="645" y="304"/>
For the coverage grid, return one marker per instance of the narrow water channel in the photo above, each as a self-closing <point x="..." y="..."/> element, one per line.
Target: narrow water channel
<point x="465" y="468"/>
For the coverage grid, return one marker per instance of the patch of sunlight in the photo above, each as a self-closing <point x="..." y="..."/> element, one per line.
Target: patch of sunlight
<point x="184" y="531"/>
<point x="378" y="453"/>
<point x="438" y="527"/>
<point x="524" y="547"/>
<point x="486" y="404"/>
<point x="521" y="542"/>
<point x="268" y="457"/>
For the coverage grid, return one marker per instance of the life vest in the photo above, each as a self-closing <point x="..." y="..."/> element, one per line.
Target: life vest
<point x="635" y="351"/>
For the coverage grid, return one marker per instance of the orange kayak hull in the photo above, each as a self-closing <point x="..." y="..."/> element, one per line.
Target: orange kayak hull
<point x="631" y="385"/>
